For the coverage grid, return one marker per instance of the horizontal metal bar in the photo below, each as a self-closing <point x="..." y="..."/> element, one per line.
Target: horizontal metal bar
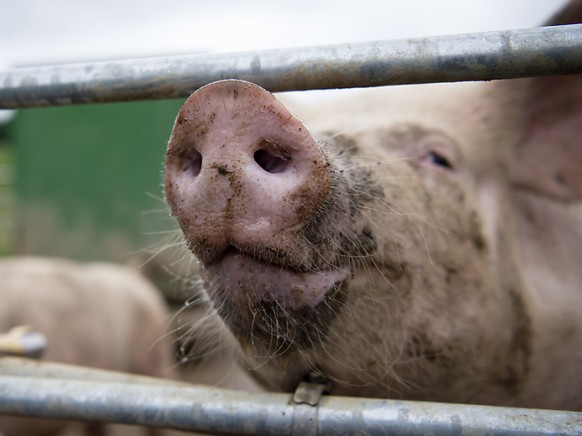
<point x="477" y="56"/>
<point x="212" y="410"/>
<point x="25" y="367"/>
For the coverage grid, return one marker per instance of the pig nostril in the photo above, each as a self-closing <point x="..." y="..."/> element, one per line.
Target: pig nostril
<point x="191" y="162"/>
<point x="272" y="163"/>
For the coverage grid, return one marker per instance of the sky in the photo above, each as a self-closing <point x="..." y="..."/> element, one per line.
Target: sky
<point x="35" y="32"/>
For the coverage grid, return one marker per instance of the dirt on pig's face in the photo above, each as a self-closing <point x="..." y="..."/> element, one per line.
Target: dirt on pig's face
<point x="383" y="280"/>
<point x="413" y="314"/>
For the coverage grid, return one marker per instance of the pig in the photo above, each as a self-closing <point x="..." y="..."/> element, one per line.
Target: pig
<point x="99" y="315"/>
<point x="416" y="242"/>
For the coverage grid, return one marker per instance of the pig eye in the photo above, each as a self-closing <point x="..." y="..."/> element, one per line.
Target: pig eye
<point x="438" y="159"/>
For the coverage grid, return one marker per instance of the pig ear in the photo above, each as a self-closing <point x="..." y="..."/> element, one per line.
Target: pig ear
<point x="570" y="14"/>
<point x="548" y="158"/>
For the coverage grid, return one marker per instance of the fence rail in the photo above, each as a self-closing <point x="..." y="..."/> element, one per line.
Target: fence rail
<point x="64" y="392"/>
<point x="61" y="391"/>
<point x="476" y="56"/>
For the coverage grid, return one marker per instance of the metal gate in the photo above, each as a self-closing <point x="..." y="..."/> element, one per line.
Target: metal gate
<point x="50" y="390"/>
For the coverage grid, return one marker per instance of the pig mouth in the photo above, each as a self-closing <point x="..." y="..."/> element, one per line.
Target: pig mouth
<point x="273" y="309"/>
<point x="247" y="277"/>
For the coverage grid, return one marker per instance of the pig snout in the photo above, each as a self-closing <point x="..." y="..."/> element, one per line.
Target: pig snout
<point x="244" y="178"/>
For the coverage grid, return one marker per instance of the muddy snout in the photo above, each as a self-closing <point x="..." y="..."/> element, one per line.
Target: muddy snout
<point x="243" y="176"/>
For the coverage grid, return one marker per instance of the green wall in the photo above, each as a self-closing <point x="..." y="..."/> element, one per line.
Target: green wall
<point x="89" y="178"/>
<point x="7" y="196"/>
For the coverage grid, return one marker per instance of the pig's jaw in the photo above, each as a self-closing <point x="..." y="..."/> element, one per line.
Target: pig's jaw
<point x="246" y="280"/>
<point x="274" y="310"/>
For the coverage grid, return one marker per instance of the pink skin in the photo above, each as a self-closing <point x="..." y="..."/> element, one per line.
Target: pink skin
<point x="426" y="247"/>
<point x="257" y="281"/>
<point x="244" y="177"/>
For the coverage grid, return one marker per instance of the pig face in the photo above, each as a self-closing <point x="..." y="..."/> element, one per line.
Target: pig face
<point x="392" y="243"/>
<point x="360" y="243"/>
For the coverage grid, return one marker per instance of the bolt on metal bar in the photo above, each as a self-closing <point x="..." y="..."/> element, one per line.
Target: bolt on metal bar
<point x="476" y="56"/>
<point x="78" y="394"/>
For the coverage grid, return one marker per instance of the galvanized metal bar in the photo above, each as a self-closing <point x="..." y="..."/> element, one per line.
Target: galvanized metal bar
<point x="477" y="56"/>
<point x="219" y="411"/>
<point x="25" y="367"/>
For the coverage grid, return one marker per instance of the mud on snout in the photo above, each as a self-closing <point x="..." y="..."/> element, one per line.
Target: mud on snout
<point x="269" y="214"/>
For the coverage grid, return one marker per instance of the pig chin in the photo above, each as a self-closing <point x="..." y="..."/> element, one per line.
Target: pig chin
<point x="272" y="309"/>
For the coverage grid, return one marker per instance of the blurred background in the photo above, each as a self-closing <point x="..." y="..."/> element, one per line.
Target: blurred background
<point x="85" y="181"/>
